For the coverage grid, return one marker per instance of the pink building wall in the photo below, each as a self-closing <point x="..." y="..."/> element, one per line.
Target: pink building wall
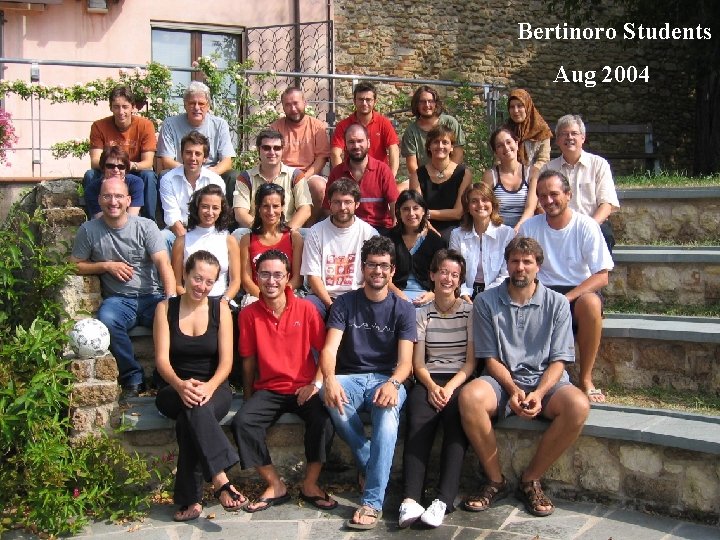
<point x="68" y="32"/>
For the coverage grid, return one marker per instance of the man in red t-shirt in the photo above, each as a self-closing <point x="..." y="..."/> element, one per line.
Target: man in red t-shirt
<point x="133" y="133"/>
<point x="384" y="142"/>
<point x="378" y="190"/>
<point x="278" y="334"/>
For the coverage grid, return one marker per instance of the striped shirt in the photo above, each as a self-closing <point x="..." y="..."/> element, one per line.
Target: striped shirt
<point x="512" y="203"/>
<point x="445" y="337"/>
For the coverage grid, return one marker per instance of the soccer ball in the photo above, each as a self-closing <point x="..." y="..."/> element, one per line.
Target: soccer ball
<point x="89" y="338"/>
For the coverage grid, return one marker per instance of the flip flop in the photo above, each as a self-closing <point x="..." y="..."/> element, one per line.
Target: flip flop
<point x="233" y="495"/>
<point x="595" y="395"/>
<point x="365" y="511"/>
<point x="314" y="501"/>
<point x="268" y="502"/>
<point x="189" y="517"/>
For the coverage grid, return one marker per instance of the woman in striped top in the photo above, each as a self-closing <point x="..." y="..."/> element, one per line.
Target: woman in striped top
<point x="443" y="360"/>
<point x="510" y="180"/>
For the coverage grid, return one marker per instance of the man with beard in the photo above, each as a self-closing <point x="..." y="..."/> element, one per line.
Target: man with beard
<point x="307" y="146"/>
<point x="522" y="332"/>
<point x="577" y="265"/>
<point x="366" y="358"/>
<point x="378" y="190"/>
<point x="427" y="107"/>
<point x="331" y="254"/>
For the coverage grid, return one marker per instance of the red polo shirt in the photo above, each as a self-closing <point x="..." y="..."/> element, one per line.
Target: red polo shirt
<point x="282" y="346"/>
<point x="380" y="132"/>
<point x="377" y="190"/>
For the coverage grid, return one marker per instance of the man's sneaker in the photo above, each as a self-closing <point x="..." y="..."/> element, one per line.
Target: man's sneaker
<point x="410" y="511"/>
<point x="434" y="515"/>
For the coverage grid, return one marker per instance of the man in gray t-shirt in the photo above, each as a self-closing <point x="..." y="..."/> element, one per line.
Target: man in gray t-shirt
<point x="522" y="331"/>
<point x="127" y="253"/>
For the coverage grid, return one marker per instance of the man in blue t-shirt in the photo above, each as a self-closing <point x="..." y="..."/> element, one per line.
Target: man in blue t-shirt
<point x="366" y="358"/>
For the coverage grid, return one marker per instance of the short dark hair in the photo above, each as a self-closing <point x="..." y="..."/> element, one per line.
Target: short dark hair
<point x="344" y="186"/>
<point x="551" y="173"/>
<point x="273" y="255"/>
<point x="449" y="255"/>
<point x="289" y="90"/>
<point x="415" y="101"/>
<point x="263" y="191"/>
<point x="115" y="152"/>
<point x="268" y="134"/>
<point x="411" y="195"/>
<point x="498" y="131"/>
<point x="527" y="246"/>
<point x="195" y="137"/>
<point x="223" y="220"/>
<point x="364" y="86"/>
<point x="123" y="92"/>
<point x="377" y="245"/>
<point x="202" y="256"/>
<point x="437" y="132"/>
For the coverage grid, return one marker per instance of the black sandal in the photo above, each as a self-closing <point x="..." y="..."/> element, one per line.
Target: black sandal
<point x="235" y="496"/>
<point x="490" y="492"/>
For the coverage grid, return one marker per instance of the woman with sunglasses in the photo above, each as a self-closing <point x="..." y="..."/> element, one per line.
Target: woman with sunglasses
<point x="443" y="360"/>
<point x="194" y="355"/>
<point x="269" y="230"/>
<point x="415" y="245"/>
<point x="208" y="222"/>
<point x="114" y="162"/>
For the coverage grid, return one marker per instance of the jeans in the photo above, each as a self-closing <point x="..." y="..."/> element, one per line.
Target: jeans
<point x="372" y="456"/>
<point x="120" y="314"/>
<point x="150" y="192"/>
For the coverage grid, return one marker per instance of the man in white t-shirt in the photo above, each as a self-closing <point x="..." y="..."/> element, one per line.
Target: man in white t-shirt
<point x="331" y="254"/>
<point x="577" y="262"/>
<point x="589" y="175"/>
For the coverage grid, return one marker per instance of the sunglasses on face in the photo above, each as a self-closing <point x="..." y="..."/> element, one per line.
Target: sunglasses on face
<point x="118" y="166"/>
<point x="268" y="147"/>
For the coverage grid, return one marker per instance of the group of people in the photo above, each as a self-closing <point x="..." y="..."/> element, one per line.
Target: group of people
<point x="473" y="291"/>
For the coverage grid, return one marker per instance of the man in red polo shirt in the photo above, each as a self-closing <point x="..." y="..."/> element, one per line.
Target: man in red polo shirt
<point x="277" y="336"/>
<point x="378" y="190"/>
<point x="384" y="142"/>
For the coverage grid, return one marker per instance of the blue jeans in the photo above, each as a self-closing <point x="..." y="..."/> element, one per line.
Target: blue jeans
<point x="150" y="192"/>
<point x="120" y="314"/>
<point x="373" y="456"/>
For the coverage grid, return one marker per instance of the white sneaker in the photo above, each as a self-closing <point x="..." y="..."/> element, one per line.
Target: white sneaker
<point x="410" y="511"/>
<point x="434" y="515"/>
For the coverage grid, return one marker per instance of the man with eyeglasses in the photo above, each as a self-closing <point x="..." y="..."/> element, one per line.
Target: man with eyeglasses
<point x="114" y="162"/>
<point x="135" y="135"/>
<point x="383" y="138"/>
<point x="591" y="181"/>
<point x="271" y="170"/>
<point x="366" y="358"/>
<point x="277" y="336"/>
<point x="427" y="108"/>
<point x="331" y="254"/>
<point x="128" y="254"/>
<point x="178" y="184"/>
<point x="197" y="117"/>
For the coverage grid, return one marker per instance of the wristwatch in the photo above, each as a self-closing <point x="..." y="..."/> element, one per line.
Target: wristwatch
<point x="318" y="384"/>
<point x="394" y="382"/>
<point x="226" y="298"/>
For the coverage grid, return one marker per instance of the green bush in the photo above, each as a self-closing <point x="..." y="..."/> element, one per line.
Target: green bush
<point x="49" y="483"/>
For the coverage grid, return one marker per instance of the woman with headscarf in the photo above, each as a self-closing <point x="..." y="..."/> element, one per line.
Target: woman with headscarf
<point x="531" y="131"/>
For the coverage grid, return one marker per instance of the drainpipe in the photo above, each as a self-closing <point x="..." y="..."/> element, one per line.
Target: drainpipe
<point x="296" y="22"/>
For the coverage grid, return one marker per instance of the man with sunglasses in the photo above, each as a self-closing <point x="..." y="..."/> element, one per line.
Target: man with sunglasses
<point x="128" y="254"/>
<point x="272" y="170"/>
<point x="366" y="358"/>
<point x="114" y="162"/>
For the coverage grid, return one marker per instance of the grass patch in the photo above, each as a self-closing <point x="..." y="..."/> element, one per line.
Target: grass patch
<point x="710" y="241"/>
<point x="663" y="398"/>
<point x="677" y="310"/>
<point x="666" y="179"/>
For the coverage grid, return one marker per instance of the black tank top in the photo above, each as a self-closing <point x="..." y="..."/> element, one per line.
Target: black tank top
<point x="194" y="356"/>
<point x="441" y="196"/>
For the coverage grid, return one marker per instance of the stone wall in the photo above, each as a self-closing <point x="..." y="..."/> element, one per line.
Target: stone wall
<point x="479" y="42"/>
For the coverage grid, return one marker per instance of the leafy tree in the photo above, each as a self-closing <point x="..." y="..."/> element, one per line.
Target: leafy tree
<point x="704" y="62"/>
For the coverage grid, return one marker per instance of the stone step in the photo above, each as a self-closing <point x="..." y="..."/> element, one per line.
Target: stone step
<point x="678" y="215"/>
<point x="665" y="275"/>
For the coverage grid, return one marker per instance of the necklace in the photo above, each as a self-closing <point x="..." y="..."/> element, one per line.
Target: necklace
<point x="442" y="313"/>
<point x="441" y="174"/>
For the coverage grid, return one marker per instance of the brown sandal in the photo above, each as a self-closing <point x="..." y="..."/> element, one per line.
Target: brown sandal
<point x="490" y="492"/>
<point x="533" y="497"/>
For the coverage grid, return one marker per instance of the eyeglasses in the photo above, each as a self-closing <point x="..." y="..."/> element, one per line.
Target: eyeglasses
<point x="268" y="147"/>
<point x="365" y="99"/>
<point x="385" y="267"/>
<point x="107" y="197"/>
<point x="266" y="276"/>
<point x="446" y="273"/>
<point x="118" y="166"/>
<point x="426" y="101"/>
<point x="569" y="134"/>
